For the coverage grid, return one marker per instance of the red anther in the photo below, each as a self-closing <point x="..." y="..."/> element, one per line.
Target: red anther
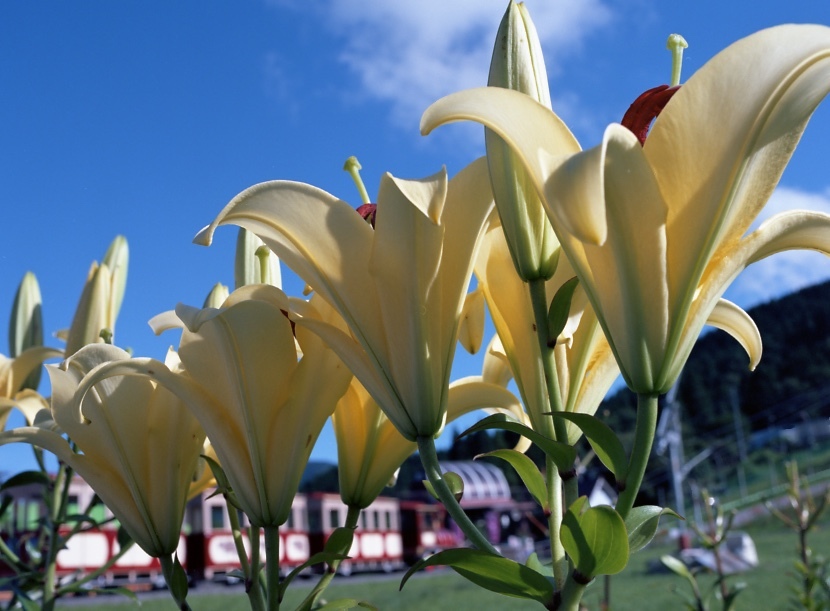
<point x="368" y="212"/>
<point x="645" y="109"/>
<point x="293" y="324"/>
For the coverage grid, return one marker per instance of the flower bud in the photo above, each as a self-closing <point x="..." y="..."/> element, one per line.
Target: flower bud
<point x="217" y="296"/>
<point x="26" y="324"/>
<point x="117" y="259"/>
<point x="518" y="64"/>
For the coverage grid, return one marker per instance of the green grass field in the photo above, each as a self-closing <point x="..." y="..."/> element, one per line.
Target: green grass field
<point x="768" y="586"/>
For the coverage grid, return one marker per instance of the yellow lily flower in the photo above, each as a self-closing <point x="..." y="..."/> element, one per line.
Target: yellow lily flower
<point x="13" y="375"/>
<point x="585" y="365"/>
<point x="656" y="233"/>
<point x="139" y="444"/>
<point x="261" y="406"/>
<point x="370" y="449"/>
<point x="400" y="287"/>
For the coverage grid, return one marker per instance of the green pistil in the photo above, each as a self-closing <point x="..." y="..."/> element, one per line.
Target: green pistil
<point x="263" y="253"/>
<point x="353" y="167"/>
<point x="676" y="43"/>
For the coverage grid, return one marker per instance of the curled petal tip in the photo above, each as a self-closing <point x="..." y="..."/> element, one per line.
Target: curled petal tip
<point x="205" y="236"/>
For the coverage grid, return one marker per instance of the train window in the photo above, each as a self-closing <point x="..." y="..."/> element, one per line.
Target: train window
<point x="364" y="521"/>
<point x="217" y="517"/>
<point x="388" y="515"/>
<point x="72" y="504"/>
<point x="334" y="518"/>
<point x="289" y="524"/>
<point x="376" y="520"/>
<point x="314" y="519"/>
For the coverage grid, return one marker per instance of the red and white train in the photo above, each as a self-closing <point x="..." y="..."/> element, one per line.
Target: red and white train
<point x="390" y="534"/>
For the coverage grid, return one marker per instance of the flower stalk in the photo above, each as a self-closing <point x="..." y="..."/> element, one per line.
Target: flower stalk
<point x="640" y="451"/>
<point x="429" y="459"/>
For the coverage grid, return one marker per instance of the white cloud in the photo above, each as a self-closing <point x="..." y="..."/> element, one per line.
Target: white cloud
<point x="788" y="271"/>
<point x="411" y="53"/>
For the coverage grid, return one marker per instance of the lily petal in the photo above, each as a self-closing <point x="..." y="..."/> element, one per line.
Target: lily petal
<point x="735" y="321"/>
<point x="722" y="142"/>
<point x="537" y="136"/>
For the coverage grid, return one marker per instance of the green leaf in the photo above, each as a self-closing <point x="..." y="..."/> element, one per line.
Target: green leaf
<point x="603" y="440"/>
<point x="729" y="601"/>
<point x="527" y="470"/>
<point x="346" y="603"/>
<point x="177" y="582"/>
<point x="562" y="455"/>
<point x="123" y="537"/>
<point x="340" y="541"/>
<point x="560" y="308"/>
<point x="27" y="603"/>
<point x="491" y="572"/>
<point x="642" y="523"/>
<point x="537" y="565"/>
<point x="5" y="502"/>
<point x="677" y="567"/>
<point x="25" y="478"/>
<point x="223" y="485"/>
<point x="454" y="483"/>
<point x="318" y="558"/>
<point x="118" y="590"/>
<point x="595" y="539"/>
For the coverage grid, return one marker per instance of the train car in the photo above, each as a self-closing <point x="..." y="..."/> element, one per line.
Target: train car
<point x="377" y="544"/>
<point x="390" y="534"/>
<point x="85" y="551"/>
<point x="211" y="550"/>
<point x="426" y="529"/>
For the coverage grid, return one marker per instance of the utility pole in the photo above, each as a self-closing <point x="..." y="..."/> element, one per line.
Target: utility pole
<point x="739" y="434"/>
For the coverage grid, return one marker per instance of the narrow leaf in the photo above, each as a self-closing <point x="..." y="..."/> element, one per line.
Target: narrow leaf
<point x="642" y="523"/>
<point x="491" y="572"/>
<point x="562" y="455"/>
<point x="528" y="472"/>
<point x="25" y="478"/>
<point x="560" y="309"/>
<point x="346" y="603"/>
<point x="677" y="567"/>
<point x="318" y="558"/>
<point x="454" y="483"/>
<point x="603" y="440"/>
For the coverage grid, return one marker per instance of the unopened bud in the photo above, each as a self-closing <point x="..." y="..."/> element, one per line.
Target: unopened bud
<point x="518" y="64"/>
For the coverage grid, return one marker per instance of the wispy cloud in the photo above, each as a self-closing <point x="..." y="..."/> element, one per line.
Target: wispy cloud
<point x="409" y="54"/>
<point x="789" y="271"/>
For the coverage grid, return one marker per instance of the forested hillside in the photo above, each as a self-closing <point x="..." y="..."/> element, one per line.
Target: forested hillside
<point x="790" y="386"/>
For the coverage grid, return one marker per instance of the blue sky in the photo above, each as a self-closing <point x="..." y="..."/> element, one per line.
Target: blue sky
<point x="145" y="118"/>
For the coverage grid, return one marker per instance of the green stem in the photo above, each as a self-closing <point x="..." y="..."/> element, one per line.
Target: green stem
<point x="236" y="533"/>
<point x="640" y="452"/>
<point x="559" y="560"/>
<point x="557" y="498"/>
<point x="539" y="299"/>
<point x="169" y="569"/>
<point x="252" y="589"/>
<point x="56" y="502"/>
<point x="252" y="585"/>
<point x="272" y="567"/>
<point x="308" y="603"/>
<point x="429" y="458"/>
<point x="571" y="595"/>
